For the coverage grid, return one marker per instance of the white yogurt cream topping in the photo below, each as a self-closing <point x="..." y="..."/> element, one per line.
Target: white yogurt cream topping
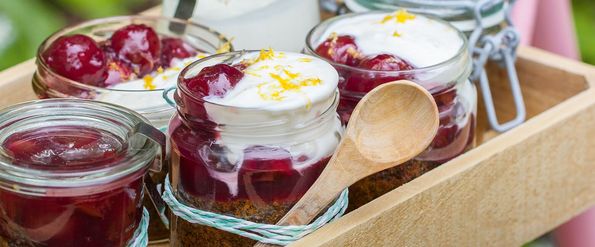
<point x="417" y="39"/>
<point x="278" y="81"/>
<point x="135" y="94"/>
<point x="282" y="97"/>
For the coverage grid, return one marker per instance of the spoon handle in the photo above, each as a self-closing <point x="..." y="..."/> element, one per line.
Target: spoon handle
<point x="332" y="181"/>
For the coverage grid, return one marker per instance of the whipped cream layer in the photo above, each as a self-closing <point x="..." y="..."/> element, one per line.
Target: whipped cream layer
<point x="278" y="81"/>
<point x="285" y="99"/>
<point x="417" y="39"/>
<point x="145" y="95"/>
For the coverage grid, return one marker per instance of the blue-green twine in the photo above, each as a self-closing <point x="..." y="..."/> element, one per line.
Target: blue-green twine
<point x="140" y="238"/>
<point x="264" y="233"/>
<point x="166" y="97"/>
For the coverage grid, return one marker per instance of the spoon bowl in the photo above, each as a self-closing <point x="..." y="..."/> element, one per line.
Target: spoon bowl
<point x="388" y="126"/>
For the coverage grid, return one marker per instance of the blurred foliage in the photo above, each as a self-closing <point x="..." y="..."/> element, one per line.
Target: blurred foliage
<point x="24" y="24"/>
<point x="584" y="18"/>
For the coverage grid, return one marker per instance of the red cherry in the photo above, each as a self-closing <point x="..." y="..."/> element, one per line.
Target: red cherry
<point x="445" y="98"/>
<point x="174" y="48"/>
<point x="118" y="70"/>
<point x="445" y="136"/>
<point x="384" y="62"/>
<point x="386" y="66"/>
<point x="341" y="49"/>
<point x="77" y="57"/>
<point x="139" y="45"/>
<point x="214" y="80"/>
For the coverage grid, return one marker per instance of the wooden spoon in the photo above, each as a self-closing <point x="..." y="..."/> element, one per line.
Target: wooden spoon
<point x="391" y="124"/>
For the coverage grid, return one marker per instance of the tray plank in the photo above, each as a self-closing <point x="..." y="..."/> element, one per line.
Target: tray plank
<point x="507" y="191"/>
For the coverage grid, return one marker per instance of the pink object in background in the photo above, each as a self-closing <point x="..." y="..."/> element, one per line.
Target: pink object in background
<point x="549" y="25"/>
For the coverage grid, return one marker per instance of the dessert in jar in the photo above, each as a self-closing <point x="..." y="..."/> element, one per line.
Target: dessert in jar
<point x="127" y="61"/>
<point x="71" y="173"/>
<point x="491" y="33"/>
<point x="253" y="131"/>
<point x="280" y="24"/>
<point x="369" y="49"/>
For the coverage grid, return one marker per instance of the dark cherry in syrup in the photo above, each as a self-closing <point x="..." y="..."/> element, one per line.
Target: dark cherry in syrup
<point x="77" y="57"/>
<point x="384" y="62"/>
<point x="139" y="45"/>
<point x="174" y="48"/>
<point x="117" y="69"/>
<point x="215" y="80"/>
<point x="341" y="49"/>
<point x="362" y="81"/>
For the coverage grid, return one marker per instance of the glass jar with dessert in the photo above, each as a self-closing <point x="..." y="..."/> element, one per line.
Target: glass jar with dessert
<point x="71" y="173"/>
<point x="369" y="49"/>
<point x="253" y="131"/>
<point x="491" y="33"/>
<point x="127" y="60"/>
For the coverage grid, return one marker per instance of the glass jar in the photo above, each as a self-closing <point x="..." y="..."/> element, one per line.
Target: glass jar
<point x="149" y="103"/>
<point x="248" y="163"/>
<point x="454" y="94"/>
<point x="71" y="173"/>
<point x="491" y="37"/>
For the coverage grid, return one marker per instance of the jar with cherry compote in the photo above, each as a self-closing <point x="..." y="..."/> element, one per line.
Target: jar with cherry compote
<point x="373" y="48"/>
<point x="127" y="61"/>
<point x="253" y="131"/>
<point x="71" y="173"/>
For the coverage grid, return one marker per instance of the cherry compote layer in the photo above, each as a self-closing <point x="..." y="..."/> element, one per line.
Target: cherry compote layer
<point x="106" y="217"/>
<point x="360" y="73"/>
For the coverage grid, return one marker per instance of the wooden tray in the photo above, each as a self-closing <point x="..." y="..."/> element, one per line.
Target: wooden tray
<point x="511" y="189"/>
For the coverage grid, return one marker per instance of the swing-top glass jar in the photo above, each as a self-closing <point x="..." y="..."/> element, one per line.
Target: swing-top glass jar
<point x="491" y="34"/>
<point x="254" y="130"/>
<point x="71" y="173"/>
<point x="369" y="49"/>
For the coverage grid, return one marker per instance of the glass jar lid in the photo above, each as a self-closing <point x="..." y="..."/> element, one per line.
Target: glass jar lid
<point x="71" y="146"/>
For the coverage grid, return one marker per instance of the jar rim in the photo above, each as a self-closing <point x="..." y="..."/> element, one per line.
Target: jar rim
<point x="40" y="61"/>
<point x="26" y="179"/>
<point x="462" y="51"/>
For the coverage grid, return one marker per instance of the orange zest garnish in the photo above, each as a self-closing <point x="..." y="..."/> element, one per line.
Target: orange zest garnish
<point x="401" y="16"/>
<point x="285" y="82"/>
<point x="149" y="83"/>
